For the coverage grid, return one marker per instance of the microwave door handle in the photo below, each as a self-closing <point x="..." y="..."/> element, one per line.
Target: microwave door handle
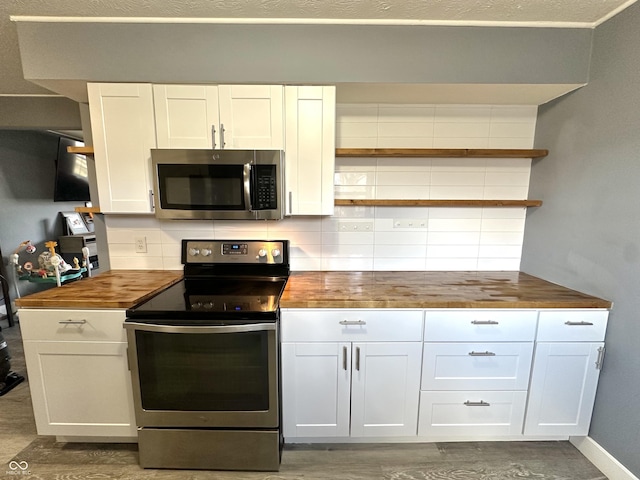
<point x="246" y="177"/>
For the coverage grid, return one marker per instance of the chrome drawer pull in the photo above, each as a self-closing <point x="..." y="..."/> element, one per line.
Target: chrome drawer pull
<point x="352" y="322"/>
<point x="481" y="403"/>
<point x="72" y="322"/>
<point x="482" y="354"/>
<point x="573" y="324"/>
<point x="484" y="322"/>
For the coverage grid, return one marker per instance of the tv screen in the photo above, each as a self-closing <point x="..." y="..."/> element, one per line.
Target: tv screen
<point x="72" y="179"/>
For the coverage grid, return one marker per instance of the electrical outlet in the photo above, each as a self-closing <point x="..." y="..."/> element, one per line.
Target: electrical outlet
<point x="410" y="223"/>
<point x="141" y="244"/>
<point x="362" y="226"/>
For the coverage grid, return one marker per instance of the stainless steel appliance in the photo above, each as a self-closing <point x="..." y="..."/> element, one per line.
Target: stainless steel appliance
<point x="218" y="184"/>
<point x="204" y="359"/>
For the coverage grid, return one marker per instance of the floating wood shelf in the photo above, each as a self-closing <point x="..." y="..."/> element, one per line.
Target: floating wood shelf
<point x="438" y="203"/>
<point x="82" y="150"/>
<point x="441" y="152"/>
<point x="87" y="209"/>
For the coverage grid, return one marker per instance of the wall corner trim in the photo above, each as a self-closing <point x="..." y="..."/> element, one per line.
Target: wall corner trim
<point x="602" y="459"/>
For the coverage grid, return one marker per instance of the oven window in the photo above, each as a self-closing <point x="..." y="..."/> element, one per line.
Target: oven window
<point x="203" y="372"/>
<point x="201" y="187"/>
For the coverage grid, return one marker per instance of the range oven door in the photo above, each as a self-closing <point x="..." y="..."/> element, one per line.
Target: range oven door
<point x="204" y="376"/>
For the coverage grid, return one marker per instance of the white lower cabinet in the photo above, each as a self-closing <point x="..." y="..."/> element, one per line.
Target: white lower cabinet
<point x="348" y="388"/>
<point x="568" y="358"/>
<point x="78" y="373"/>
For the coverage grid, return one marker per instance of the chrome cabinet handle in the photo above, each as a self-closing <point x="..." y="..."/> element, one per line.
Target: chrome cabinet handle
<point x="574" y="324"/>
<point x="484" y="322"/>
<point x="222" y="142"/>
<point x="213" y="136"/>
<point x="344" y="358"/>
<point x="72" y="322"/>
<point x="151" y="203"/>
<point x="481" y="403"/>
<point x="290" y="203"/>
<point x="600" y="359"/>
<point x="482" y="354"/>
<point x="358" y="358"/>
<point x="352" y="322"/>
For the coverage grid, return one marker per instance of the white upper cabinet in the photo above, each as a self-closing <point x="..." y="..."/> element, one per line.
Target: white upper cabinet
<point x="222" y="116"/>
<point x="310" y="149"/>
<point x="123" y="129"/>
<point x="186" y="115"/>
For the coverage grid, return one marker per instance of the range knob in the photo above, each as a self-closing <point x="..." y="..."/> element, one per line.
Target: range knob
<point x="276" y="252"/>
<point x="208" y="305"/>
<point x="262" y="253"/>
<point x="205" y="252"/>
<point x="196" y="305"/>
<point x="194" y="252"/>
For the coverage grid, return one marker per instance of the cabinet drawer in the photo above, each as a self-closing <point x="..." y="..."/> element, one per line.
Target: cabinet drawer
<point x="73" y="325"/>
<point x="349" y="325"/>
<point x="480" y="325"/>
<point x="471" y="414"/>
<point x="572" y="326"/>
<point x="476" y="366"/>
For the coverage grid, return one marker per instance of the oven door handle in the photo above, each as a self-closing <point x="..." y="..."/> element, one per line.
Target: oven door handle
<point x="147" y="327"/>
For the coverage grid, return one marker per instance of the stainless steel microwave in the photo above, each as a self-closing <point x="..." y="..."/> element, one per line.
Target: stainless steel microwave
<point x="218" y="184"/>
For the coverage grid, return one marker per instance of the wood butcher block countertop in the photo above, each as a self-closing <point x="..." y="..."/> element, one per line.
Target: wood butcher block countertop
<point x="112" y="289"/>
<point x="430" y="290"/>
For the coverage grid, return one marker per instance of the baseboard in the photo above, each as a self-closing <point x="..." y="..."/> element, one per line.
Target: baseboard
<point x="602" y="459"/>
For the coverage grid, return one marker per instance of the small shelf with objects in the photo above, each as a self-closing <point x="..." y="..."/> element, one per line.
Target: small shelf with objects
<point x="440" y="153"/>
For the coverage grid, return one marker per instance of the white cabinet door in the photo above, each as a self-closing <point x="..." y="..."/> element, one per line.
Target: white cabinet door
<point x="251" y="116"/>
<point x="186" y="116"/>
<point x="80" y="388"/>
<point x="310" y="149"/>
<point x="123" y="130"/>
<point x="385" y="389"/>
<point x="316" y="382"/>
<point x="563" y="388"/>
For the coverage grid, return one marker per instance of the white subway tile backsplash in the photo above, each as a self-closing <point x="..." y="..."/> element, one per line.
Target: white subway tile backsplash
<point x="404" y="142"/>
<point x="456" y="192"/>
<point x="461" y="130"/>
<point x="406" y="113"/>
<point x="494" y="192"/>
<point x="451" y="238"/>
<point x="399" y="192"/>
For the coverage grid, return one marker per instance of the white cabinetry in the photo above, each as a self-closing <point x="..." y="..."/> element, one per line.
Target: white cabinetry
<point x="310" y="149"/>
<point x="475" y="372"/>
<point x="78" y="373"/>
<point x="350" y="372"/>
<point x="123" y="130"/>
<point x="219" y="116"/>
<point x="566" y="368"/>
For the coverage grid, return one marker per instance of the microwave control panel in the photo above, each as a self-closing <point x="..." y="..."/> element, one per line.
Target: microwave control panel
<point x="264" y="191"/>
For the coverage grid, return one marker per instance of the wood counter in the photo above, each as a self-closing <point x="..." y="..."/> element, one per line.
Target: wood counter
<point x="430" y="290"/>
<point x="112" y="289"/>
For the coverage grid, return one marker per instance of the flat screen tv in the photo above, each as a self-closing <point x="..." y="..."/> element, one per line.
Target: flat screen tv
<point x="72" y="179"/>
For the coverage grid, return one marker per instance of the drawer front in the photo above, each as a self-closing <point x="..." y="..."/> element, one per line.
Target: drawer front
<point x="572" y="326"/>
<point x="73" y="325"/>
<point x="349" y="325"/>
<point x="466" y="414"/>
<point x="476" y="366"/>
<point x="480" y="325"/>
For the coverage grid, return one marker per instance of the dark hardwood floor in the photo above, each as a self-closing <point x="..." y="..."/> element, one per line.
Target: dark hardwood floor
<point x="44" y="458"/>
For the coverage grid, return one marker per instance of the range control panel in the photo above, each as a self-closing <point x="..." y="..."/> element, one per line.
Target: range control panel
<point x="270" y="252"/>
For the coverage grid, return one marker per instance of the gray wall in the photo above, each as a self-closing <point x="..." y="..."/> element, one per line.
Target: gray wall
<point x="27" y="209"/>
<point x="586" y="235"/>
<point x="46" y="113"/>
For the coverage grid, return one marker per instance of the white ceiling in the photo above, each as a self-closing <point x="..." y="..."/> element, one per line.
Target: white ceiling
<point x="526" y="13"/>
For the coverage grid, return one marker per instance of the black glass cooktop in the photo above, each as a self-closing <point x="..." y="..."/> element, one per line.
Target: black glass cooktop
<point x="224" y="299"/>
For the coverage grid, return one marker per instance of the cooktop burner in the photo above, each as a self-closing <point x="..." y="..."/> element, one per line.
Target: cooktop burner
<point x="229" y="281"/>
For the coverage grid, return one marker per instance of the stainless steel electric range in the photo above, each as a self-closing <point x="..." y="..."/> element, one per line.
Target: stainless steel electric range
<point x="205" y="361"/>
